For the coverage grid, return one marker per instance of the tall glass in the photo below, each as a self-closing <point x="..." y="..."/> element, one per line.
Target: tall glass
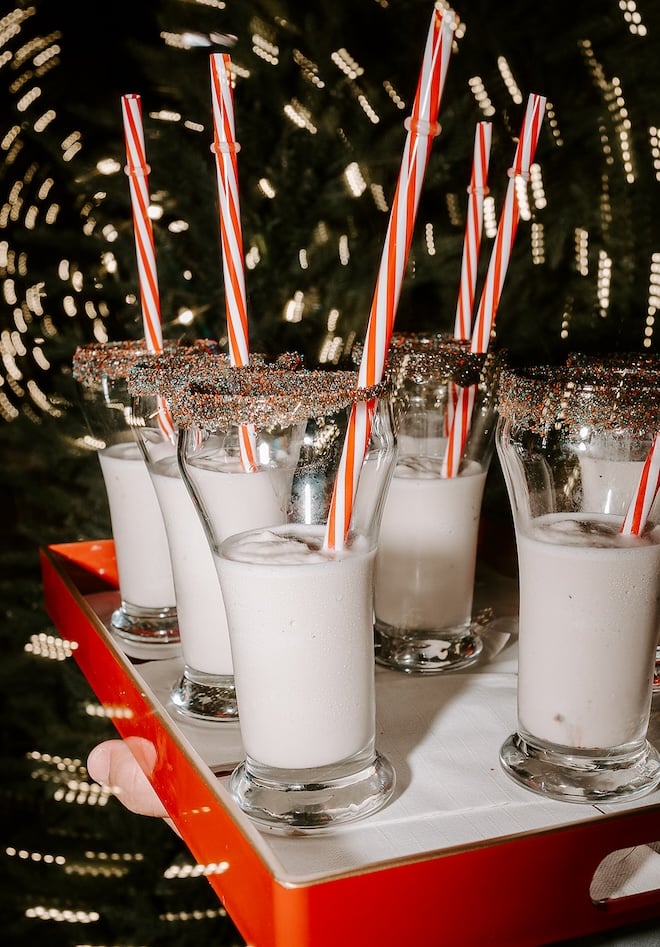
<point x="641" y="367"/>
<point x="204" y="690"/>
<point x="426" y="560"/>
<point x="145" y="624"/>
<point x="300" y="617"/>
<point x="589" y="594"/>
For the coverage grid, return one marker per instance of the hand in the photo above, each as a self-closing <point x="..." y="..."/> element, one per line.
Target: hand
<point x="113" y="764"/>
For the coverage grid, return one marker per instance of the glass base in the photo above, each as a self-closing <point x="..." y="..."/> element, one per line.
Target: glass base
<point x="146" y="633"/>
<point x="425" y="652"/>
<point x="580" y="778"/>
<point x="205" y="697"/>
<point x="300" y="801"/>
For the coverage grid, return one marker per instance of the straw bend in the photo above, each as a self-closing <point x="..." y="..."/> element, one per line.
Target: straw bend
<point x="419" y="127"/>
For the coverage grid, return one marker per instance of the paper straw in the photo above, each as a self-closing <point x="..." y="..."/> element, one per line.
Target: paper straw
<point x="477" y="190"/>
<point x="422" y="127"/>
<point x="473" y="226"/>
<point x="137" y="171"/>
<point x="460" y="425"/>
<point x="494" y="282"/>
<point x="508" y="225"/>
<point x="225" y="148"/>
<point x="645" y="494"/>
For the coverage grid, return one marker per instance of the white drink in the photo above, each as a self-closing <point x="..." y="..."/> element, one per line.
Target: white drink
<point x="237" y="501"/>
<point x="427" y="550"/>
<point x="589" y="613"/>
<point x="302" y="640"/>
<point x="141" y="547"/>
<point x="200" y="608"/>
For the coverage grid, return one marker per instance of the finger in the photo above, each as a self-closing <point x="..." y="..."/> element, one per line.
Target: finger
<point x="112" y="764"/>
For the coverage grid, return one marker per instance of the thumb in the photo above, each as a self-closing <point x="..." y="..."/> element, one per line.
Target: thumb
<point x="112" y="764"/>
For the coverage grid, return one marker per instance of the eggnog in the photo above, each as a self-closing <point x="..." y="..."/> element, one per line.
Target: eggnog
<point x="234" y="500"/>
<point x="427" y="552"/>
<point x="237" y="501"/>
<point x="141" y="546"/>
<point x="201" y="611"/>
<point x="301" y="629"/>
<point x="589" y="614"/>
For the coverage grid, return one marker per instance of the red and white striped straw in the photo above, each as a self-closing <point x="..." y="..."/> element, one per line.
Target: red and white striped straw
<point x="494" y="282"/>
<point x="645" y="494"/>
<point x="422" y="127"/>
<point x="477" y="190"/>
<point x="473" y="226"/>
<point x="225" y="148"/>
<point x="506" y="230"/>
<point x="137" y="170"/>
<point x="458" y="430"/>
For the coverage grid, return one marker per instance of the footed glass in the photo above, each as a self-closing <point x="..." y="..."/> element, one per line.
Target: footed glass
<point x="427" y="555"/>
<point x="644" y="368"/>
<point x="300" y="616"/>
<point x="569" y="440"/>
<point x="204" y="690"/>
<point x="145" y="624"/>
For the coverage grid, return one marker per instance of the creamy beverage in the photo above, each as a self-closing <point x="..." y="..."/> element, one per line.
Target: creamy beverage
<point x="200" y="608"/>
<point x="235" y="500"/>
<point x="426" y="559"/>
<point x="589" y="616"/>
<point x="239" y="501"/>
<point x="302" y="642"/>
<point x="141" y="547"/>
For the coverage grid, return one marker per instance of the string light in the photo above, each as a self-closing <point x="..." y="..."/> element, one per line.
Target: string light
<point x="582" y="251"/>
<point x="481" y="96"/>
<point x="654" y="141"/>
<point x="355" y="179"/>
<point x="507" y="75"/>
<point x="537" y="238"/>
<point x="604" y="281"/>
<point x="654" y="299"/>
<point x="430" y="240"/>
<point x="632" y="17"/>
<point x="345" y="62"/>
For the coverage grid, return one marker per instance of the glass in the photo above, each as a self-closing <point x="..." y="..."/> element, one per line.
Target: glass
<point x="300" y="618"/>
<point x="145" y="624"/>
<point x="426" y="560"/>
<point x="589" y="595"/>
<point x="640" y="366"/>
<point x="204" y="690"/>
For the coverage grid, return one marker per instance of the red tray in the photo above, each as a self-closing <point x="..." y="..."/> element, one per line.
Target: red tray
<point x="461" y="856"/>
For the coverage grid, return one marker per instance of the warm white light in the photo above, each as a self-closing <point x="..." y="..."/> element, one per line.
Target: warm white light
<point x="108" y="166"/>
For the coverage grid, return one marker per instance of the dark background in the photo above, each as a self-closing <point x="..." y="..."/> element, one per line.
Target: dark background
<point x="68" y="276"/>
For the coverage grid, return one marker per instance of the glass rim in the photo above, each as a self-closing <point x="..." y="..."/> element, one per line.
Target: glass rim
<point x="421" y="357"/>
<point x="556" y="396"/>
<point x="98" y="360"/>
<point x="268" y="396"/>
<point x="167" y="372"/>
